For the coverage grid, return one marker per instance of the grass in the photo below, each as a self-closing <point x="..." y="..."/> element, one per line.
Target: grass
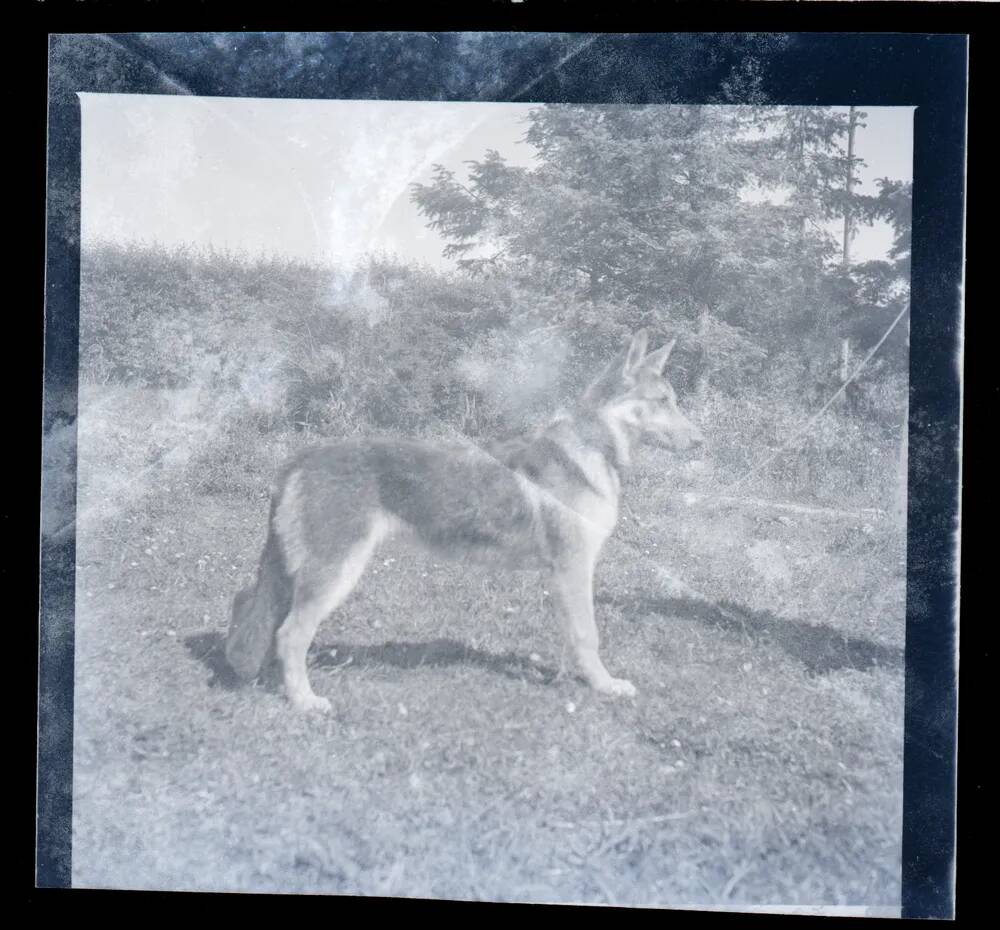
<point x="760" y="764"/>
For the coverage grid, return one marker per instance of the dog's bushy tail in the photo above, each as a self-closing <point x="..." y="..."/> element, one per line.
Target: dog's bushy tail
<point x="258" y="611"/>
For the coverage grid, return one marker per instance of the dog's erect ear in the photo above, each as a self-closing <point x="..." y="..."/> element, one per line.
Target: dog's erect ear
<point x="636" y="352"/>
<point x="618" y="373"/>
<point x="657" y="360"/>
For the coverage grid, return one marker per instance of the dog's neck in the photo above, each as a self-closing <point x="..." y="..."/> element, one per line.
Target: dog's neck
<point x="590" y="448"/>
<point x="623" y="439"/>
<point x="601" y="430"/>
<point x="604" y="454"/>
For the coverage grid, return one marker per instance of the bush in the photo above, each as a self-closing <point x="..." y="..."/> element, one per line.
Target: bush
<point x="175" y="317"/>
<point x="842" y="460"/>
<point x="280" y="352"/>
<point x="241" y="457"/>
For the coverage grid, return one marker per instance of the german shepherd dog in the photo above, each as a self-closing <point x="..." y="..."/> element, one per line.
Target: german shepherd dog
<point x="548" y="502"/>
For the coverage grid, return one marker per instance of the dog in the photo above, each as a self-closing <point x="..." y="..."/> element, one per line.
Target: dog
<point x="549" y="501"/>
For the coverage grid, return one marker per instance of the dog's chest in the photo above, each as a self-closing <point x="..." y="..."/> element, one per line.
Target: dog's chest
<point x="600" y="513"/>
<point x="597" y="502"/>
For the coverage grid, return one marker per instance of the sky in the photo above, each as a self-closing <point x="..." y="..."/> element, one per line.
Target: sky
<point x="326" y="180"/>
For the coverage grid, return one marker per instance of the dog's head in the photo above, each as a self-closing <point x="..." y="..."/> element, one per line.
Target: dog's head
<point x="633" y="390"/>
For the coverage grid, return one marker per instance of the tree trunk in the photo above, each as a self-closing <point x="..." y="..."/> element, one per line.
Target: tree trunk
<point x="594" y="285"/>
<point x="849" y="187"/>
<point x="701" y="381"/>
<point x="845" y="371"/>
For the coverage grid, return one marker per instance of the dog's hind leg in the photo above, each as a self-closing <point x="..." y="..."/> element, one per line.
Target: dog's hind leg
<point x="319" y="589"/>
<point x="574" y="590"/>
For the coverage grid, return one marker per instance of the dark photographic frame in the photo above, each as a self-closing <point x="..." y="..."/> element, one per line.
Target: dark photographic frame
<point x="925" y="71"/>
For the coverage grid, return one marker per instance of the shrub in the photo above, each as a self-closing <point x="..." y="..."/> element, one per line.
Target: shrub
<point x="280" y="352"/>
<point x="240" y="456"/>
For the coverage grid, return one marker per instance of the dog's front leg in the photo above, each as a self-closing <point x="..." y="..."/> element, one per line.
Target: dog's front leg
<point x="574" y="588"/>
<point x="292" y="642"/>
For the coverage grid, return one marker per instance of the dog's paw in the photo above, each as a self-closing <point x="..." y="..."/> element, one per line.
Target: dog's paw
<point x="618" y="687"/>
<point x="312" y="703"/>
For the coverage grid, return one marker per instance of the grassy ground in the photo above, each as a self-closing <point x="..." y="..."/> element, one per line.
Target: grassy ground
<point x="761" y="762"/>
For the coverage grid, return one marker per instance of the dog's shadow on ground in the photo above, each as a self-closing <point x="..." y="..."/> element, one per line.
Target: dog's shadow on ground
<point x="435" y="653"/>
<point x="208" y="648"/>
<point x="818" y="647"/>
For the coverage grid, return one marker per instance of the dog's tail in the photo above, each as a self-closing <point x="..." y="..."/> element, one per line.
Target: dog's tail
<point x="258" y="611"/>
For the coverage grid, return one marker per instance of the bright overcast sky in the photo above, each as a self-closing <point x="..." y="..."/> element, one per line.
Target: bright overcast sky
<point x="325" y="180"/>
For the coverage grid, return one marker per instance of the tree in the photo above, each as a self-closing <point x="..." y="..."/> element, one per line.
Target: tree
<point x="646" y="210"/>
<point x="628" y="204"/>
<point x="881" y="289"/>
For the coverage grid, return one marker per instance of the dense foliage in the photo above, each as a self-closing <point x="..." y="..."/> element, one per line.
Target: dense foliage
<point x="710" y="221"/>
